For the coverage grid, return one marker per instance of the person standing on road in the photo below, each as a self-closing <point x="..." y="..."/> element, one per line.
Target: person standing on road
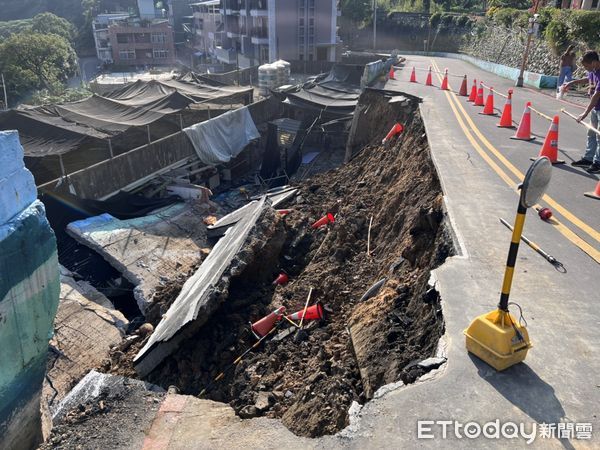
<point x="591" y="158"/>
<point x="567" y="66"/>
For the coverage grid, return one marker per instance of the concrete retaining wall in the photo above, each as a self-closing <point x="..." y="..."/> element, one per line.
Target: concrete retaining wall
<point x="29" y="290"/>
<point x="535" y="80"/>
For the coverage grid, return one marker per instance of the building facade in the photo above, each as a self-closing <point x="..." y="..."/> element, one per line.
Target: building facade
<point x="261" y="31"/>
<point x="207" y="27"/>
<point x="137" y="42"/>
<point x="101" y="39"/>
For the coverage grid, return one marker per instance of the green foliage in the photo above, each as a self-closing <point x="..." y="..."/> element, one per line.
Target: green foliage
<point x="435" y="19"/>
<point x="516" y="4"/>
<point x="46" y="97"/>
<point x="14" y="27"/>
<point x="585" y="26"/>
<point x="33" y="61"/>
<point x="48" y="23"/>
<point x="358" y="11"/>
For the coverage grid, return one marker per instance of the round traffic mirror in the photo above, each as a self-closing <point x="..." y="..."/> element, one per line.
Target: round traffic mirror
<point x="536" y="181"/>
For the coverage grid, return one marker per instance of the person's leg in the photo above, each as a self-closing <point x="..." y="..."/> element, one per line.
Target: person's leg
<point x="569" y="74"/>
<point x="596" y="114"/>
<point x="592" y="138"/>
<point x="561" y="78"/>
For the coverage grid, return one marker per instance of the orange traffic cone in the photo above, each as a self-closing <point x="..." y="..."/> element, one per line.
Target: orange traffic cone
<point x="396" y="129"/>
<point x="281" y="279"/>
<point x="473" y="94"/>
<point x="550" y="147"/>
<point x="595" y="194"/>
<point x="488" y="110"/>
<point x="428" y="80"/>
<point x="444" y="86"/>
<point x="266" y="324"/>
<point x="506" y="119"/>
<point x="524" y="130"/>
<point x="413" y="76"/>
<point x="463" y="87"/>
<point x="392" y="74"/>
<point x="328" y="218"/>
<point x="479" y="98"/>
<point x="314" y="312"/>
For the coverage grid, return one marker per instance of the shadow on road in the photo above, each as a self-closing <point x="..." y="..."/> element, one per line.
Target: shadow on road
<point x="527" y="391"/>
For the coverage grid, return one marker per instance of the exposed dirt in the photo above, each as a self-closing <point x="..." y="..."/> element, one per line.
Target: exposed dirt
<point x="310" y="383"/>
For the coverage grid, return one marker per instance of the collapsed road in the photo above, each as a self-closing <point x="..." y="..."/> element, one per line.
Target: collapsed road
<point x="389" y="224"/>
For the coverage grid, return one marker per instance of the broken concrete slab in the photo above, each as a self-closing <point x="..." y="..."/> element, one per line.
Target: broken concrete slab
<point x="105" y="411"/>
<point x="150" y="249"/>
<point x="86" y="327"/>
<point x="201" y="295"/>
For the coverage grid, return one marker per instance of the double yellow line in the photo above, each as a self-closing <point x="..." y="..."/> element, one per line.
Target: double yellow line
<point x="504" y="165"/>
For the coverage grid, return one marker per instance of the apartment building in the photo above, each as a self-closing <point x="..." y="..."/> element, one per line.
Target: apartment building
<point x="101" y="38"/>
<point x="136" y="42"/>
<point x="261" y="31"/>
<point x="207" y="26"/>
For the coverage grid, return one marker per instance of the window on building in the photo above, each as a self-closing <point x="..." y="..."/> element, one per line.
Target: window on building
<point x="159" y="38"/>
<point x="311" y="22"/>
<point x="127" y="54"/>
<point x="310" y="57"/>
<point x="122" y="38"/>
<point x="301" y="21"/>
<point x="301" y="56"/>
<point x="160" y="54"/>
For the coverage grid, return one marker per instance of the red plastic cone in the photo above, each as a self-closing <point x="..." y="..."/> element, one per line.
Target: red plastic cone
<point x="473" y="94"/>
<point x="396" y="129"/>
<point x="392" y="73"/>
<point x="266" y="324"/>
<point x="314" y="312"/>
<point x="488" y="110"/>
<point x="524" y="130"/>
<point x="444" y="86"/>
<point x="328" y="218"/>
<point x="550" y="147"/>
<point x="506" y="118"/>
<point x="479" y="98"/>
<point x="281" y="279"/>
<point x="428" y="80"/>
<point x="595" y="194"/>
<point x="413" y="76"/>
<point x="463" y="87"/>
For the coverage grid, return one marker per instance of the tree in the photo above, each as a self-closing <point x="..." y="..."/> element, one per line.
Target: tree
<point x="357" y="10"/>
<point x="48" y="23"/>
<point x="35" y="61"/>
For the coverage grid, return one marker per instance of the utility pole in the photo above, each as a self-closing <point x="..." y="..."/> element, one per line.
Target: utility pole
<point x="529" y="35"/>
<point x="4" y="88"/>
<point x="374" y="24"/>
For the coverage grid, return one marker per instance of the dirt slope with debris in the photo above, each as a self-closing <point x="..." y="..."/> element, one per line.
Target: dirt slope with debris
<point x="309" y="384"/>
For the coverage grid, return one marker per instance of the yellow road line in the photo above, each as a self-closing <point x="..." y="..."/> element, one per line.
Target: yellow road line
<point x="565" y="231"/>
<point x="549" y="200"/>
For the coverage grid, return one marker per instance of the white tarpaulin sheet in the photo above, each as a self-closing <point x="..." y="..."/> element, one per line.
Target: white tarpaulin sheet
<point x="218" y="140"/>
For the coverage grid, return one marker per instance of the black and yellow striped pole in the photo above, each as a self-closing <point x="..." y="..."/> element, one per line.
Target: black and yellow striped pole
<point x="497" y="337"/>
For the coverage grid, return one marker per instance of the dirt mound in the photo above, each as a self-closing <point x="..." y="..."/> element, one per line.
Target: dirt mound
<point x="388" y="200"/>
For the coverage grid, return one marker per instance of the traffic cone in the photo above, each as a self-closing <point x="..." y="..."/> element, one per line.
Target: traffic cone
<point x="463" y="87"/>
<point x="595" y="194"/>
<point x="328" y="218"/>
<point x="488" y="110"/>
<point x="413" y="76"/>
<point x="473" y="94"/>
<point x="428" y="80"/>
<point x="396" y="129"/>
<point x="314" y="312"/>
<point x="392" y="75"/>
<point x="524" y="130"/>
<point x="479" y="98"/>
<point x="550" y="147"/>
<point x="281" y="279"/>
<point x="506" y="118"/>
<point x="444" y="86"/>
<point x="266" y="324"/>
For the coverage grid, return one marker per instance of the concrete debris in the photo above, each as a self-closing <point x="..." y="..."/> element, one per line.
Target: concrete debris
<point x="201" y="295"/>
<point x="431" y="363"/>
<point x="95" y="385"/>
<point x="147" y="248"/>
<point x="264" y="400"/>
<point x="248" y="412"/>
<point x="86" y="327"/>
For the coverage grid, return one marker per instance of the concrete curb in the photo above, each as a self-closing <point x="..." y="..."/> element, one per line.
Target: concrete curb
<point x="536" y="80"/>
